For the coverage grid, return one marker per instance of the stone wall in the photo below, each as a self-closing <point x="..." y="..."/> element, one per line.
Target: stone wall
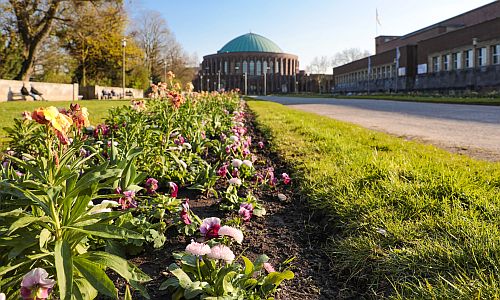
<point x="95" y="92"/>
<point x="10" y="90"/>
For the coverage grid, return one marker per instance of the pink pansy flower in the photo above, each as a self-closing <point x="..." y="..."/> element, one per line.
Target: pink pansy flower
<point x="173" y="189"/>
<point x="269" y="268"/>
<point x="151" y="185"/>
<point x="210" y="227"/>
<point x="286" y="178"/>
<point x="235" y="233"/>
<point x="128" y="201"/>
<point x="246" y="211"/>
<point x="198" y="249"/>
<point x="221" y="252"/>
<point x="261" y="145"/>
<point x="235" y="172"/>
<point x="222" y="172"/>
<point x="36" y="285"/>
<point x="185" y="212"/>
<point x="180" y="140"/>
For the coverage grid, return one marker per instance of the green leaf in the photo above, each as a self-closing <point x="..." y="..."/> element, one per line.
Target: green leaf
<point x="248" y="266"/>
<point x="108" y="231"/>
<point x="194" y="289"/>
<point x="226" y="282"/>
<point x="26" y="221"/>
<point x="275" y="278"/>
<point x="64" y="269"/>
<point x="12" y="213"/>
<point x="259" y="262"/>
<point x="171" y="282"/>
<point x="128" y="296"/>
<point x="118" y="264"/>
<point x="45" y="235"/>
<point x="83" y="290"/>
<point x="184" y="280"/>
<point x="96" y="277"/>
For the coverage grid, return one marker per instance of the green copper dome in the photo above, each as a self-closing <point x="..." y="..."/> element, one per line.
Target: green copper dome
<point x="250" y="42"/>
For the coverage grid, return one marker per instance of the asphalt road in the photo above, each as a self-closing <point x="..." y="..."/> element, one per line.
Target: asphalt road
<point x="473" y="130"/>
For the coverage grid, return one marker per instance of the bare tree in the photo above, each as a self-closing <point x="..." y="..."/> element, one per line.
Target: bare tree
<point x="152" y="34"/>
<point x="348" y="55"/>
<point x="319" y="65"/>
<point x="162" y="51"/>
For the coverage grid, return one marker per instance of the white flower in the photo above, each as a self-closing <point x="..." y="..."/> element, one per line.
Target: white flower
<point x="221" y="252"/>
<point x="235" y="181"/>
<point x="184" y="165"/>
<point x="187" y="146"/>
<point x="104" y="206"/>
<point x="235" y="233"/>
<point x="115" y="143"/>
<point x="247" y="163"/>
<point x="234" y="138"/>
<point x="2" y="296"/>
<point x="282" y="197"/>
<point x="198" y="249"/>
<point x="236" y="163"/>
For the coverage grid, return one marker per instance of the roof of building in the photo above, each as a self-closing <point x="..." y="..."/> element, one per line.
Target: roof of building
<point x="250" y="42"/>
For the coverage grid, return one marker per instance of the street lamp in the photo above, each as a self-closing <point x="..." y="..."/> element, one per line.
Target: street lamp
<point x="208" y="84"/>
<point x="265" y="80"/>
<point x="124" y="44"/>
<point x="165" y="69"/>
<point x="218" y="80"/>
<point x="246" y="81"/>
<point x="201" y="83"/>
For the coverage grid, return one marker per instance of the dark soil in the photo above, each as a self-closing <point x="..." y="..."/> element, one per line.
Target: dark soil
<point x="289" y="229"/>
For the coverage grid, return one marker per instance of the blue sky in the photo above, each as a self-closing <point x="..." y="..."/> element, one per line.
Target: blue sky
<point x="307" y="28"/>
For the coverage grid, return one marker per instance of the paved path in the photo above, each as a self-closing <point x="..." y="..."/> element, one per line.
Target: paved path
<point x="473" y="130"/>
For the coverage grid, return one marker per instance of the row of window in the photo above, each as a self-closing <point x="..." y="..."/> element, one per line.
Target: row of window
<point x="467" y="59"/>
<point x="250" y="68"/>
<point x="382" y="72"/>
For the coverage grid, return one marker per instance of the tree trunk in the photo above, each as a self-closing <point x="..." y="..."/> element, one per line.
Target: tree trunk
<point x="33" y="32"/>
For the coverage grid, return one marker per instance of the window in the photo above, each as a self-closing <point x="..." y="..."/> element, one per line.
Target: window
<point x="481" y="56"/>
<point x="446" y="62"/>
<point x="245" y="67"/>
<point x="237" y="68"/>
<point x="271" y="67"/>
<point x="259" y="68"/>
<point x="469" y="63"/>
<point x="457" y="60"/>
<point x="225" y="67"/>
<point x="495" y="50"/>
<point x="252" y="68"/>
<point x="435" y="64"/>
<point x="264" y="67"/>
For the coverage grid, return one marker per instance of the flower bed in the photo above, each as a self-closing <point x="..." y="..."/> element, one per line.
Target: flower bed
<point x="77" y="200"/>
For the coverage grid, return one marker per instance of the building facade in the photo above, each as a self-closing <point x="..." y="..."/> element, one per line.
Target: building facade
<point x="458" y="54"/>
<point x="251" y="63"/>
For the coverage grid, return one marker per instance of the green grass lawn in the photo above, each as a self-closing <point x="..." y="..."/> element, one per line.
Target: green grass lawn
<point x="98" y="110"/>
<point x="428" y="99"/>
<point x="408" y="221"/>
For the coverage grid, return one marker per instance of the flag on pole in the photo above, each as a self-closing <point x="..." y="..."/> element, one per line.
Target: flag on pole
<point x="377" y="19"/>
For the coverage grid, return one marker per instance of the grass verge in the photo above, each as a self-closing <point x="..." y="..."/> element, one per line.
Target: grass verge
<point x="98" y="110"/>
<point x="411" y="221"/>
<point x="408" y="98"/>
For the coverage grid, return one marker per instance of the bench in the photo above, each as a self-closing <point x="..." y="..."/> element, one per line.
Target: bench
<point x="16" y="97"/>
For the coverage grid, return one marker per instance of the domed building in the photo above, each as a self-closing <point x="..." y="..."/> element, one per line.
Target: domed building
<point x="252" y="63"/>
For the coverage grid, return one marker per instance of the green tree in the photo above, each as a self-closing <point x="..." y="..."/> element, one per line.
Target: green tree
<point x="10" y="44"/>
